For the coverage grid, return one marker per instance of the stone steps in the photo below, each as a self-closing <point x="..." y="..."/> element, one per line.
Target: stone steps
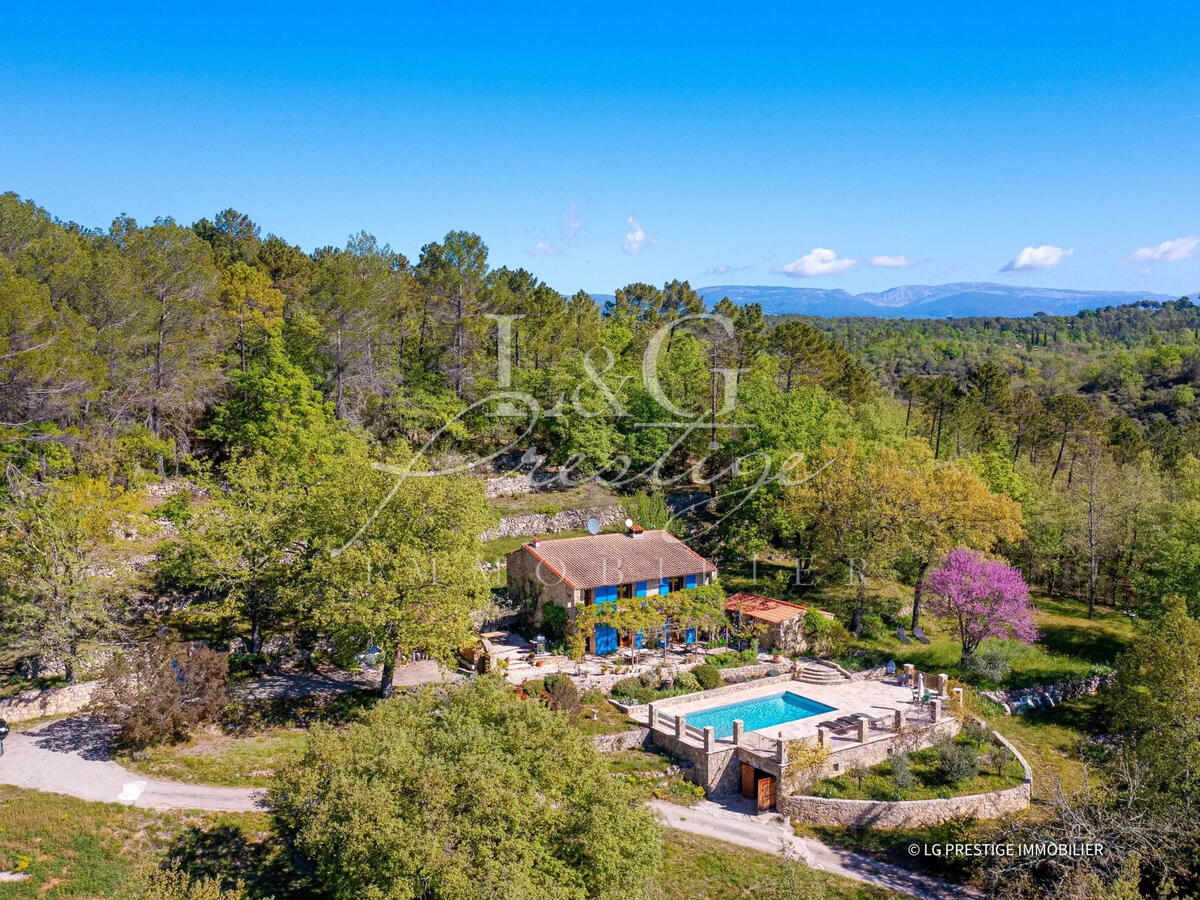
<point x="821" y="675"/>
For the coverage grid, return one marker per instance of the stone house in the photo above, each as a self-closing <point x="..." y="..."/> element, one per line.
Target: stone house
<point x="604" y="568"/>
<point x="780" y="623"/>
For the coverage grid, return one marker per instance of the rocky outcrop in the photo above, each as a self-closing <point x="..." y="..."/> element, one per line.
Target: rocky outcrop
<point x="1018" y="700"/>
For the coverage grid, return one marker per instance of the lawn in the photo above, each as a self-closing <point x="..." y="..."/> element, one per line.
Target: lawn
<point x="234" y="761"/>
<point x="74" y="849"/>
<point x="1069" y="646"/>
<point x="501" y="547"/>
<point x="1054" y="741"/>
<point x="703" y="867"/>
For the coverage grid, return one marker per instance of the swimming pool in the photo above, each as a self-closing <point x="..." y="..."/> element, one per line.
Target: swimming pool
<point x="761" y="712"/>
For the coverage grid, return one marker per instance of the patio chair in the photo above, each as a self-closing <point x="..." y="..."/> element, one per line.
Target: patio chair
<point x="890" y="668"/>
<point x="902" y="635"/>
<point x="919" y="634"/>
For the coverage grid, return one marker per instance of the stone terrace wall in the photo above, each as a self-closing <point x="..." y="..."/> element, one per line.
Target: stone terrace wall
<point x="718" y="772"/>
<point x="532" y="524"/>
<point x="622" y="740"/>
<point x="910" y="813"/>
<point x="49" y="702"/>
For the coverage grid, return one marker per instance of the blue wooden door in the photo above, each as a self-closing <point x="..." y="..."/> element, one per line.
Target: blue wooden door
<point x="606" y="640"/>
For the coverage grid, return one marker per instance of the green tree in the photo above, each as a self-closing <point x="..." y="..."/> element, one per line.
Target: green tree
<point x="465" y="793"/>
<point x="56" y="542"/>
<point x="394" y="562"/>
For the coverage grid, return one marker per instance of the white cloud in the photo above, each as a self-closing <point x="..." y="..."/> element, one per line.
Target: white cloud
<point x="725" y="270"/>
<point x="545" y="248"/>
<point x="883" y="261"/>
<point x="821" y="261"/>
<point x="572" y="224"/>
<point x="1167" y="251"/>
<point x="1046" y="256"/>
<point x="637" y="238"/>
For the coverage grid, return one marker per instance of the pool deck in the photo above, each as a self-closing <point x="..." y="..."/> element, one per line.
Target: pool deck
<point x="875" y="698"/>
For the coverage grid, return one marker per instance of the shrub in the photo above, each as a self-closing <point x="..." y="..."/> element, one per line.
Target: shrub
<point x="902" y="772"/>
<point x="564" y="695"/>
<point x="872" y="625"/>
<point x="998" y="757"/>
<point x="986" y="665"/>
<point x="708" y="676"/>
<point x="633" y="690"/>
<point x="976" y="733"/>
<point x="158" y="692"/>
<point x="554" y="623"/>
<point x="957" y="762"/>
<point x="534" y="687"/>
<point x="687" y="682"/>
<point x="171" y="883"/>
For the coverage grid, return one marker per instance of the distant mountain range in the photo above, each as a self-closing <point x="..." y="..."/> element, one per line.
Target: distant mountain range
<point x="924" y="301"/>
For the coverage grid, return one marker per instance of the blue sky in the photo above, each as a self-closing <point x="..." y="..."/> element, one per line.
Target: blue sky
<point x="1059" y="140"/>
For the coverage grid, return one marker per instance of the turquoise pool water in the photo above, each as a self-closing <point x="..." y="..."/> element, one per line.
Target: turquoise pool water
<point x="761" y="712"/>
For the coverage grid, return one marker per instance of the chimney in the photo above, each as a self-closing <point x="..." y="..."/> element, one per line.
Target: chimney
<point x="636" y="530"/>
<point x="534" y="543"/>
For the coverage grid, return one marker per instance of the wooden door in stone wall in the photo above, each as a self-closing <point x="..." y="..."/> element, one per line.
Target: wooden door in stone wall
<point x="748" y="777"/>
<point x="766" y="792"/>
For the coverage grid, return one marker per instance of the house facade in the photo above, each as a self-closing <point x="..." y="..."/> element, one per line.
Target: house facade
<point x="607" y="569"/>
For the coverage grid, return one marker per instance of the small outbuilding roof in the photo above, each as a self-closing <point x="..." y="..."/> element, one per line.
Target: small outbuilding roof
<point x="766" y="609"/>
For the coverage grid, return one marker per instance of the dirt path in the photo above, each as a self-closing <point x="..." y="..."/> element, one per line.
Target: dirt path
<point x="770" y="834"/>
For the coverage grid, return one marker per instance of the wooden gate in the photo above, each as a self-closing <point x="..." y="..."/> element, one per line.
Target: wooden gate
<point x="766" y="792"/>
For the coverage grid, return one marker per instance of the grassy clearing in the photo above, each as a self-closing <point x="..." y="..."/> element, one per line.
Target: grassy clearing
<point x="702" y="867"/>
<point x="234" y="761"/>
<point x="499" y="548"/>
<point x="74" y="849"/>
<point x="551" y="502"/>
<point x="1070" y="645"/>
<point x="1055" y="741"/>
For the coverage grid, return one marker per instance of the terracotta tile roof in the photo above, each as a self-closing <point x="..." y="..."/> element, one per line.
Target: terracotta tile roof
<point x="596" y="560"/>
<point x="764" y="609"/>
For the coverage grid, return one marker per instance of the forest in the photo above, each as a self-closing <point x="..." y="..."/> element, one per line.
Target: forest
<point x="283" y="390"/>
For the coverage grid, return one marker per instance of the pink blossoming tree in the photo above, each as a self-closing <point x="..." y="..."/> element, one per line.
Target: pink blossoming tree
<point x="983" y="597"/>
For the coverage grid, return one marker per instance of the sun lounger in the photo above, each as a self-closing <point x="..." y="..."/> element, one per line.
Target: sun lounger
<point x="902" y="636"/>
<point x="919" y="634"/>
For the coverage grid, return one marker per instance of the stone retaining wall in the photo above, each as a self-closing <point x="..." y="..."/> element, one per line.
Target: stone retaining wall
<point x="716" y="772"/>
<point x="48" y="702"/>
<point x="910" y="813"/>
<point x="622" y="740"/>
<point x="532" y="524"/>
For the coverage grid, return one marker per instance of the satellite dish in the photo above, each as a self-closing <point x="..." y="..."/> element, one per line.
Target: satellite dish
<point x="593" y="526"/>
<point x="629" y="523"/>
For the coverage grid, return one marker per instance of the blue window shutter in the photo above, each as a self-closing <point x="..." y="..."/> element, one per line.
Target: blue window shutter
<point x="664" y="586"/>
<point x="640" y="640"/>
<point x="640" y="589"/>
<point x="690" y="582"/>
<point x="690" y="636"/>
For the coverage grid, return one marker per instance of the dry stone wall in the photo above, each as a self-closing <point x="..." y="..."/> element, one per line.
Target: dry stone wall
<point x="532" y="524"/>
<point x="49" y="702"/>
